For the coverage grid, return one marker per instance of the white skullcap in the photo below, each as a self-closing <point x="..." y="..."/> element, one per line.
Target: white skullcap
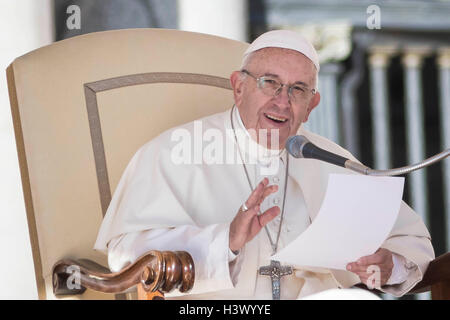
<point x="284" y="39"/>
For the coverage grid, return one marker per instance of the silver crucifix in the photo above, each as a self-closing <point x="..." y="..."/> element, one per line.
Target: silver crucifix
<point x="275" y="271"/>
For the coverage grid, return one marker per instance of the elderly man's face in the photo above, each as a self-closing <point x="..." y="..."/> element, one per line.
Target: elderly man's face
<point x="279" y="112"/>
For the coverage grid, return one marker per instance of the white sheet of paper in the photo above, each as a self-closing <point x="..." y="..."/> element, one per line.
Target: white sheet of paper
<point x="356" y="216"/>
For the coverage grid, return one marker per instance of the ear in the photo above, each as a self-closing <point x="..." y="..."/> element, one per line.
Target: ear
<point x="237" y="83"/>
<point x="314" y="102"/>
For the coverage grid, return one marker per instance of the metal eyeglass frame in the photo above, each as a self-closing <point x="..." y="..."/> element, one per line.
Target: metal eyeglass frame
<point x="280" y="88"/>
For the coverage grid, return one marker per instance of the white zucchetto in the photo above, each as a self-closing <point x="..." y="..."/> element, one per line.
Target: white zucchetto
<point x="286" y="39"/>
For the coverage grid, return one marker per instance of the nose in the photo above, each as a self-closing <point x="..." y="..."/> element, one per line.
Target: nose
<point x="282" y="97"/>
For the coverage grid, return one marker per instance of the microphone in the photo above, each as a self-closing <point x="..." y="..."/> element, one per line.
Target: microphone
<point x="301" y="147"/>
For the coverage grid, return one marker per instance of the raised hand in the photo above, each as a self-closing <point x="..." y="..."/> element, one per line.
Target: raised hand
<point x="246" y="224"/>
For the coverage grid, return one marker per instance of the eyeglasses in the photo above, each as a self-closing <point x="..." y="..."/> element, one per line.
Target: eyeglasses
<point x="272" y="87"/>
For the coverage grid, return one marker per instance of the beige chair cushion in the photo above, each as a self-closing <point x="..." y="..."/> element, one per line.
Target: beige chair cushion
<point x="76" y="130"/>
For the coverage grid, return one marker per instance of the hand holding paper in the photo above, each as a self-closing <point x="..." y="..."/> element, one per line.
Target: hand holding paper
<point x="356" y="216"/>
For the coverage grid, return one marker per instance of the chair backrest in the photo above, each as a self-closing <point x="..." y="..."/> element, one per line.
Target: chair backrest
<point x="83" y="106"/>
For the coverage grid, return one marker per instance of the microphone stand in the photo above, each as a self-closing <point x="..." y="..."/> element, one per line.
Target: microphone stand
<point x="352" y="165"/>
<point x="301" y="147"/>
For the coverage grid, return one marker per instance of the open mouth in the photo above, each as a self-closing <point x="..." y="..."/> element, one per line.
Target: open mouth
<point x="276" y="119"/>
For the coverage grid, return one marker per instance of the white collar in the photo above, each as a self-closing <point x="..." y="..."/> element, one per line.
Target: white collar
<point x="256" y="152"/>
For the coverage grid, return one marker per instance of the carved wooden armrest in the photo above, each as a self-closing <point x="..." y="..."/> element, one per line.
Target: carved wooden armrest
<point x="154" y="271"/>
<point x="437" y="277"/>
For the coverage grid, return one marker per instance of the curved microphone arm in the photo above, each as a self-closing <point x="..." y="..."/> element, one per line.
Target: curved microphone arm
<point x="398" y="171"/>
<point x="301" y="147"/>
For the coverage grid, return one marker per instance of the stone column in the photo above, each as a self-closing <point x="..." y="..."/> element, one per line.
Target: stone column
<point x="443" y="63"/>
<point x="325" y="118"/>
<point x="378" y="63"/>
<point x="415" y="133"/>
<point x="225" y="18"/>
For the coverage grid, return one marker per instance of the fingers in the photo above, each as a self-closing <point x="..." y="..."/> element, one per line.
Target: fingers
<point x="380" y="262"/>
<point x="261" y="191"/>
<point x="259" y="221"/>
<point x="268" y="216"/>
<point x="363" y="268"/>
<point x="268" y="190"/>
<point x="380" y="257"/>
<point x="256" y="194"/>
<point x="373" y="275"/>
<point x="263" y="218"/>
<point x="246" y="224"/>
<point x="356" y="267"/>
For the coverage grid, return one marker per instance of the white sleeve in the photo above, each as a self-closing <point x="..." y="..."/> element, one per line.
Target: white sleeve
<point x="400" y="271"/>
<point x="215" y="269"/>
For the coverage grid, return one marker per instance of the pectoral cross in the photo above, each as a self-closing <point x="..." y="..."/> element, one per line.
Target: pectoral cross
<point x="275" y="270"/>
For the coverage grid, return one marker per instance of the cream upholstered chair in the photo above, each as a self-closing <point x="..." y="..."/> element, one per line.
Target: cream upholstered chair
<point x="82" y="107"/>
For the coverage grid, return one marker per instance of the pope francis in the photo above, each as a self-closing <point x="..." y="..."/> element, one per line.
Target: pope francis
<point x="232" y="208"/>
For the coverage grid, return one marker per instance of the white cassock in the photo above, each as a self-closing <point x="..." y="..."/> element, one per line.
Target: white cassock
<point x="161" y="205"/>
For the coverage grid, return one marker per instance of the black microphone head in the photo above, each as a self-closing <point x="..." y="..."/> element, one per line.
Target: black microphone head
<point x="294" y="145"/>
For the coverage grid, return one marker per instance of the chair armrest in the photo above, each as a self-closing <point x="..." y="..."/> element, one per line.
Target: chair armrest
<point x="155" y="271"/>
<point x="438" y="271"/>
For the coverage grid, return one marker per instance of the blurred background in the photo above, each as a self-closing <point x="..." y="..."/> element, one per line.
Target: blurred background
<point x="384" y="81"/>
